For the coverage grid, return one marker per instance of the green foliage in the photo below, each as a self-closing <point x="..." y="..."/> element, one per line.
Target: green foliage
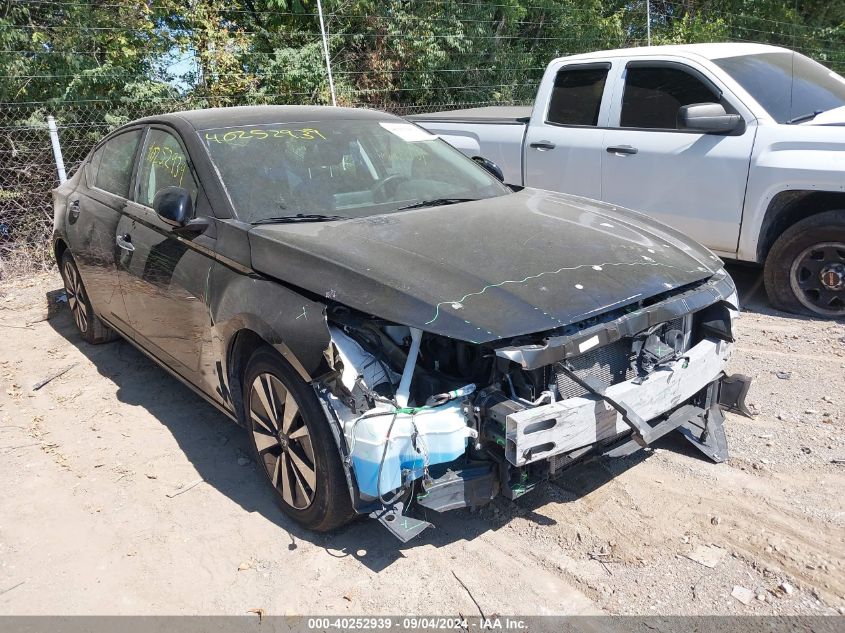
<point x="95" y="64"/>
<point x="390" y="53"/>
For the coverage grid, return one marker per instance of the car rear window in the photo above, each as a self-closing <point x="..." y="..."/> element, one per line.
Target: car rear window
<point x="113" y="168"/>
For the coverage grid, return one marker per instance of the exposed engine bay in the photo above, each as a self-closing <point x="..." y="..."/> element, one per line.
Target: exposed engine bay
<point x="422" y="419"/>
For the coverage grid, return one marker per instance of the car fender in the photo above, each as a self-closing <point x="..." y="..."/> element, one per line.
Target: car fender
<point x="285" y="319"/>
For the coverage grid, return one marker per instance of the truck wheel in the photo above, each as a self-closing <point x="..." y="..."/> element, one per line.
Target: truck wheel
<point x="89" y="325"/>
<point x="293" y="445"/>
<point x="805" y="269"/>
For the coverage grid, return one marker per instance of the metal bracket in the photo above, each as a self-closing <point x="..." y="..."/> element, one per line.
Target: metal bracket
<point x="402" y="527"/>
<point x="678" y="418"/>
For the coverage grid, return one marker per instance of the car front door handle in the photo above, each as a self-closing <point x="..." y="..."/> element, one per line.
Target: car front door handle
<point x="125" y="242"/>
<point x="622" y="149"/>
<point x="543" y="145"/>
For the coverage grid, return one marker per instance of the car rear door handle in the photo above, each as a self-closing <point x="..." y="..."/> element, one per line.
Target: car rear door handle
<point x="542" y="145"/>
<point x="125" y="242"/>
<point x="622" y="149"/>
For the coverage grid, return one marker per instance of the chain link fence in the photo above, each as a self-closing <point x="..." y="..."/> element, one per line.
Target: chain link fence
<point x="450" y="55"/>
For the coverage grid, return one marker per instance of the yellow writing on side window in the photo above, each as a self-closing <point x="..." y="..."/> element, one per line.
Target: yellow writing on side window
<point x="165" y="157"/>
<point x="231" y="137"/>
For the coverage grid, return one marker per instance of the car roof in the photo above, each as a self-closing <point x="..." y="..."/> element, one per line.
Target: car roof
<point x="713" y="50"/>
<point x="209" y="118"/>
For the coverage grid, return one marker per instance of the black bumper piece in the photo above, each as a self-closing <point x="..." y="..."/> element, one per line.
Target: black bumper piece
<point x="702" y="425"/>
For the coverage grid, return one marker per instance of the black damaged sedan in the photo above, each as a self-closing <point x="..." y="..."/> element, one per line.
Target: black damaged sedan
<point x="393" y="326"/>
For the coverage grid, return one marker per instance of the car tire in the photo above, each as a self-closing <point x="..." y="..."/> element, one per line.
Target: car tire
<point x="90" y="327"/>
<point x="805" y="269"/>
<point x="293" y="445"/>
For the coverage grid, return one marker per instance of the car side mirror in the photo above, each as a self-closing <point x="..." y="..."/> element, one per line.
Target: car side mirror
<point x="174" y="205"/>
<point x="490" y="166"/>
<point x="708" y="118"/>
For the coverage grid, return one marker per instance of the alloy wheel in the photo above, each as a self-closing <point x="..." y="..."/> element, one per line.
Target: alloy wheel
<point x="817" y="278"/>
<point x="282" y="441"/>
<point x="76" y="299"/>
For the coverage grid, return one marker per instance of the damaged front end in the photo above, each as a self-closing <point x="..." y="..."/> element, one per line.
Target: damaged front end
<point x="441" y="423"/>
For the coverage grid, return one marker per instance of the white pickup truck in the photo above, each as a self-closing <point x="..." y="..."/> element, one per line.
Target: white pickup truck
<point x="740" y="146"/>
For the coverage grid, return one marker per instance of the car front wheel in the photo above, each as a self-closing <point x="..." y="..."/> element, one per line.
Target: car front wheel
<point x="293" y="445"/>
<point x="805" y="269"/>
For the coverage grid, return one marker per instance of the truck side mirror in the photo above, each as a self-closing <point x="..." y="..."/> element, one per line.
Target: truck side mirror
<point x="490" y="166"/>
<point x="708" y="118"/>
<point x="174" y="205"/>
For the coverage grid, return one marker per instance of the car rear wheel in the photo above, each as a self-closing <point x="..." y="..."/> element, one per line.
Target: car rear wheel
<point x="293" y="445"/>
<point x="805" y="269"/>
<point x="92" y="329"/>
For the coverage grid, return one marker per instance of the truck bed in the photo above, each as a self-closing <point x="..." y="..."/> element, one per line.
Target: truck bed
<point x="515" y="115"/>
<point x="494" y="132"/>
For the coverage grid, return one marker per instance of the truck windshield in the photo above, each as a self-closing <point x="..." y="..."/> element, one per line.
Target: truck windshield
<point x="788" y="85"/>
<point x="348" y="168"/>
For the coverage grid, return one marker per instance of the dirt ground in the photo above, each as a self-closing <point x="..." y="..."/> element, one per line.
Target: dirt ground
<point x="91" y="522"/>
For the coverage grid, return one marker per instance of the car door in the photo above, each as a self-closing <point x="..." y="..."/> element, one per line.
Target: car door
<point x="563" y="143"/>
<point x="691" y="181"/>
<point x="163" y="271"/>
<point x="95" y="209"/>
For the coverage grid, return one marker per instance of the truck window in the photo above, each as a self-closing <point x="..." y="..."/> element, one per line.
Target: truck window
<point x="576" y="96"/>
<point x="653" y="96"/>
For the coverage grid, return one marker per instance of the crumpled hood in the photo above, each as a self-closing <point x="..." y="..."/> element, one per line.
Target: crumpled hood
<point x="478" y="271"/>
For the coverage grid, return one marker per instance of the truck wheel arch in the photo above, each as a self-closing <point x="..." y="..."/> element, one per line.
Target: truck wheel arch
<point x="791" y="206"/>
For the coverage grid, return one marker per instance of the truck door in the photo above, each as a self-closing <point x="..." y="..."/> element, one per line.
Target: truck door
<point x="691" y="181"/>
<point x="563" y="148"/>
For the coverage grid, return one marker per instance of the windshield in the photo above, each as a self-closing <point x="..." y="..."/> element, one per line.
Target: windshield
<point x="788" y="85"/>
<point x="349" y="168"/>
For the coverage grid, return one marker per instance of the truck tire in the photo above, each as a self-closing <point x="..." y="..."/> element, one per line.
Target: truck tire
<point x="90" y="327"/>
<point x="292" y="444"/>
<point x="805" y="269"/>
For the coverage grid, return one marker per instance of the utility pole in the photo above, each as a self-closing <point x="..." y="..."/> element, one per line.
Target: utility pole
<point x="326" y="51"/>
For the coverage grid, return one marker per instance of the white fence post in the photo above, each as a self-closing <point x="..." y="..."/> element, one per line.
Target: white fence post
<point x="648" y="20"/>
<point x="326" y="51"/>
<point x="57" y="148"/>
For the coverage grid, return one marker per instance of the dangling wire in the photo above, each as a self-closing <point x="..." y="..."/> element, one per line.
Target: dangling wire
<point x="387" y="502"/>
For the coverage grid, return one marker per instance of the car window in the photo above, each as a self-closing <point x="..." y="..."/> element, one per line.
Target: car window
<point x="654" y="95"/>
<point x="113" y="168"/>
<point x="93" y="165"/>
<point x="164" y="164"/>
<point x="576" y="96"/>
